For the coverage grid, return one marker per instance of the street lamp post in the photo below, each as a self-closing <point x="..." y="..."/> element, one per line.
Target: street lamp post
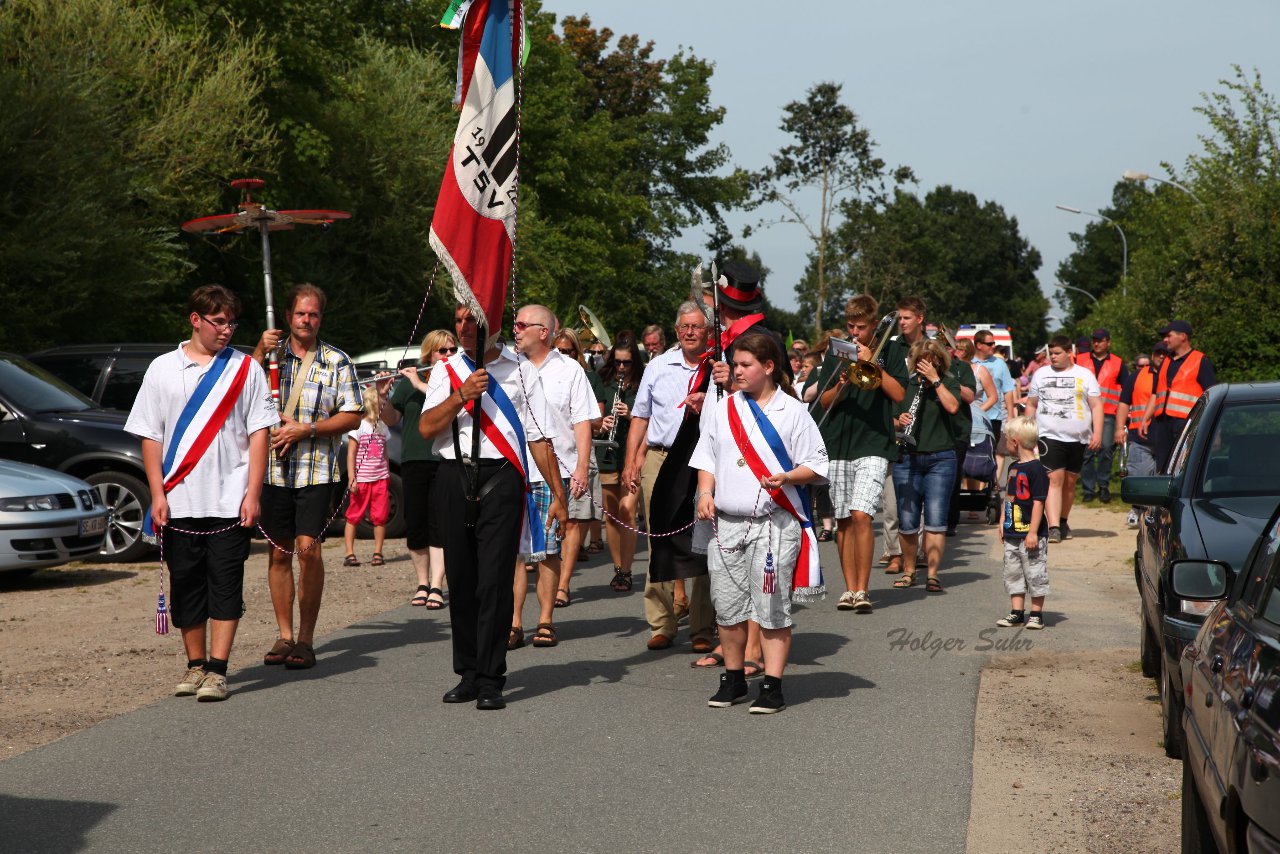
<point x="1124" y="244"/>
<point x="1138" y="177"/>
<point x="1077" y="290"/>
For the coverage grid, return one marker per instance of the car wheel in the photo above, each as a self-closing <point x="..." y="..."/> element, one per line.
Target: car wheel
<point x="1171" y="706"/>
<point x="1197" y="838"/>
<point x="127" y="499"/>
<point x="1149" y="652"/>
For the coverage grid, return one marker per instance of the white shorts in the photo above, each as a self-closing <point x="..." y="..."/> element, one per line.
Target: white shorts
<point x="857" y="485"/>
<point x="737" y="568"/>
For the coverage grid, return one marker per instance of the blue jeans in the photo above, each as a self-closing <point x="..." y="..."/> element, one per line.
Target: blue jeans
<point x="1095" y="475"/>
<point x="923" y="482"/>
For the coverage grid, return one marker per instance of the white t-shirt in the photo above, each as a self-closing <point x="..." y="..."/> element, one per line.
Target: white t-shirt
<point x="570" y="401"/>
<point x="1062" y="405"/>
<point x="217" y="484"/>
<point x="516" y="378"/>
<point x="737" y="489"/>
<point x="371" y="451"/>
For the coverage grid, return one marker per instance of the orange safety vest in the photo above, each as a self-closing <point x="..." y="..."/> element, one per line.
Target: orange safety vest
<point x="1108" y="379"/>
<point x="1142" y="384"/>
<point x="1176" y="398"/>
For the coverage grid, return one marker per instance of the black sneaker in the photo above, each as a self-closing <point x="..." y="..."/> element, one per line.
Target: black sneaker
<point x="1035" y="621"/>
<point x="769" y="700"/>
<point x="1055" y="535"/>
<point x="1104" y="495"/>
<point x="1014" y="619"/>
<point x="732" y="691"/>
<point x="1088" y="496"/>
<point x="1066" y="530"/>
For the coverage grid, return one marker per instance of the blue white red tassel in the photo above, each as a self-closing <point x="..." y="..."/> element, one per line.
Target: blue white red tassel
<point x="770" y="577"/>
<point x="162" y="613"/>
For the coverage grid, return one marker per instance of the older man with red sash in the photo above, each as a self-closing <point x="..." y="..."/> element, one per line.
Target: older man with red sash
<point x="1112" y="374"/>
<point x="1183" y="377"/>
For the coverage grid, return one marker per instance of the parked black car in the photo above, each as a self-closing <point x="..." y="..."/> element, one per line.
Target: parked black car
<point x="45" y="422"/>
<point x="111" y="374"/>
<point x="1231" y="670"/>
<point x="1220" y="488"/>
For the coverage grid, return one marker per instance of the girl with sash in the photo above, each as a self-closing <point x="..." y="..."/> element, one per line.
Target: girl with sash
<point x="758" y="449"/>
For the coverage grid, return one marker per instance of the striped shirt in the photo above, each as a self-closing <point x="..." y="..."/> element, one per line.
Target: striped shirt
<point x="662" y="388"/>
<point x="329" y="388"/>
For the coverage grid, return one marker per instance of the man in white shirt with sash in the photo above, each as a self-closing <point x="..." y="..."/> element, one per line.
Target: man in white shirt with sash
<point x="480" y="543"/>
<point x="202" y="414"/>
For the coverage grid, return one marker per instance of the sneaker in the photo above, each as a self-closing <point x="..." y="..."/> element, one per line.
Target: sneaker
<point x="1132" y="521"/>
<point x="861" y="603"/>
<point x="1035" y="621"/>
<point x="190" y="683"/>
<point x="1014" y="619"/>
<point x="847" y="601"/>
<point x="731" y="692"/>
<point x="1104" y="495"/>
<point x="769" y="699"/>
<point x="1066" y="530"/>
<point x="213" y="687"/>
<point x="1088" y="496"/>
<point x="1055" y="535"/>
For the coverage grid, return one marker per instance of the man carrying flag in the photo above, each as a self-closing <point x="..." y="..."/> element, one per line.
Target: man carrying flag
<point x="202" y="414"/>
<point x="480" y="551"/>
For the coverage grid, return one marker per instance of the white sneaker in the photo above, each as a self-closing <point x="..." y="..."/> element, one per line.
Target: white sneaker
<point x="861" y="603"/>
<point x="213" y="687"/>
<point x="1132" y="521"/>
<point x="848" y="601"/>
<point x="190" y="683"/>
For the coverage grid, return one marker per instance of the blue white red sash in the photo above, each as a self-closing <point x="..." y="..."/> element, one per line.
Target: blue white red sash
<point x="501" y="425"/>
<point x="201" y="419"/>
<point x="765" y="455"/>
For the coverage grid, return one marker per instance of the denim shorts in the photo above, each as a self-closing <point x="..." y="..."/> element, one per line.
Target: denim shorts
<point x="924" y="481"/>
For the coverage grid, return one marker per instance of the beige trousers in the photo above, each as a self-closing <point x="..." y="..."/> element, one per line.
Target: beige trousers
<point x="659" y="597"/>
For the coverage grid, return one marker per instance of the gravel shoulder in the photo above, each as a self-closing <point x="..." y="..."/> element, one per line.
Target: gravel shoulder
<point x="1067" y="731"/>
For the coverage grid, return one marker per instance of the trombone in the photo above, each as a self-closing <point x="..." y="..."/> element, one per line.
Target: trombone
<point x="862" y="374"/>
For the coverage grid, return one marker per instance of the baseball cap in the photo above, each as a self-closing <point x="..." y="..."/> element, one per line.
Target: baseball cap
<point x="1100" y="334"/>
<point x="1176" y="326"/>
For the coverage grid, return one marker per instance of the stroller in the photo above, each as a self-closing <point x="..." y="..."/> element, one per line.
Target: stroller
<point x="980" y="464"/>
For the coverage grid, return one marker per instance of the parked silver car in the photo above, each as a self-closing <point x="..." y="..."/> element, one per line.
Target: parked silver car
<point x="46" y="518"/>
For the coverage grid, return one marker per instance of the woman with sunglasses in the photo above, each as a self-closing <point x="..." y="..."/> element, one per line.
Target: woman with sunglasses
<point x="619" y="380"/>
<point x="418" y="469"/>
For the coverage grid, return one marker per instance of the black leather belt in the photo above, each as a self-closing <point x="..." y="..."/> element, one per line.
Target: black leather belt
<point x="484" y="462"/>
<point x="664" y="448"/>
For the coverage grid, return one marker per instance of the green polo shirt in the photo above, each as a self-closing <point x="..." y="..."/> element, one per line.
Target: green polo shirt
<point x="408" y="402"/>
<point x="860" y="423"/>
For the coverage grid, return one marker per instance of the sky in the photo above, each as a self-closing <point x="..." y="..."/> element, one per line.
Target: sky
<point x="1026" y="104"/>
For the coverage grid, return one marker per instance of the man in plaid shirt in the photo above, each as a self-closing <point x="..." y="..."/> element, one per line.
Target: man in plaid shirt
<point x="303" y="471"/>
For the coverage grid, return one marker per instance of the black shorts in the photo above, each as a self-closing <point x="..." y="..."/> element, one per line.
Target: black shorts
<point x="288" y="513"/>
<point x="1056" y="455"/>
<point x="422" y="526"/>
<point x="206" y="571"/>
<point x="997" y="428"/>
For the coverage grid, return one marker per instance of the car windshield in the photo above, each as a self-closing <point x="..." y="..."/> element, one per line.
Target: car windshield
<point x="32" y="389"/>
<point x="1241" y="458"/>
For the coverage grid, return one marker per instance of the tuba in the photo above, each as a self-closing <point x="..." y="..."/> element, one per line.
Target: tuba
<point x="592" y="328"/>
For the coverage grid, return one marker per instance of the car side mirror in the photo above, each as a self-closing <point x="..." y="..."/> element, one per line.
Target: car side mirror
<point x="1147" y="491"/>
<point x="1200" y="580"/>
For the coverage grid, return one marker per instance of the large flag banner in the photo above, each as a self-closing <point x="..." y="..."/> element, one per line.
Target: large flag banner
<point x="473" y="230"/>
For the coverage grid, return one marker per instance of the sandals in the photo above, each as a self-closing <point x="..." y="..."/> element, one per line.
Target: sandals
<point x="351" y="560"/>
<point x="435" y="604"/>
<point x="596" y="547"/>
<point x="545" y="635"/>
<point x="824" y="536"/>
<point x="621" y="580"/>
<point x="303" y="657"/>
<point x="752" y="665"/>
<point x="377" y="560"/>
<point x="932" y="584"/>
<point x="908" y="579"/>
<point x="894" y="565"/>
<point x="420" y="598"/>
<point x="515" y="638"/>
<point x="279" y="652"/>
<point x="717" y="660"/>
<point x="564" y="602"/>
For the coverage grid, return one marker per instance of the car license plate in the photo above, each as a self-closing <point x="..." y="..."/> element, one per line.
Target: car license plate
<point x="93" y="526"/>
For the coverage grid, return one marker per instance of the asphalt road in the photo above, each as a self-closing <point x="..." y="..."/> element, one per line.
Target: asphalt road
<point x="604" y="745"/>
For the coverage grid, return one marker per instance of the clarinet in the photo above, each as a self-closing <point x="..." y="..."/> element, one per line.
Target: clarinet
<point x="904" y="437"/>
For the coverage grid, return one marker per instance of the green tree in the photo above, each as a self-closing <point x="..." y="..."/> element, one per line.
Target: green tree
<point x="833" y="154"/>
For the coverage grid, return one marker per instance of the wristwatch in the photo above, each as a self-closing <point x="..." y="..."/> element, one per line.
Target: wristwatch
<point x="936" y="383"/>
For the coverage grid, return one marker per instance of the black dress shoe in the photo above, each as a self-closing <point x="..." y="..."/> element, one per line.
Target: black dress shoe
<point x="489" y="701"/>
<point x="464" y="692"/>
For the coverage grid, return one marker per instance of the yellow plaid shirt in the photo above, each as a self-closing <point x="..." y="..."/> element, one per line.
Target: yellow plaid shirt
<point x="329" y="388"/>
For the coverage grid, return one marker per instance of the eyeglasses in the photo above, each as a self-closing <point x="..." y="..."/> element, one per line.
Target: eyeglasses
<point x="447" y="351"/>
<point x="521" y="326"/>
<point x="568" y="352"/>
<point x="622" y="361"/>
<point x="690" y="327"/>
<point x="978" y="343"/>
<point x="221" y="324"/>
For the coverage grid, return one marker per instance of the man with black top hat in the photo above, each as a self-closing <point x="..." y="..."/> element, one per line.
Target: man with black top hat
<point x="1183" y="377"/>
<point x="741" y="311"/>
<point x="1112" y="374"/>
